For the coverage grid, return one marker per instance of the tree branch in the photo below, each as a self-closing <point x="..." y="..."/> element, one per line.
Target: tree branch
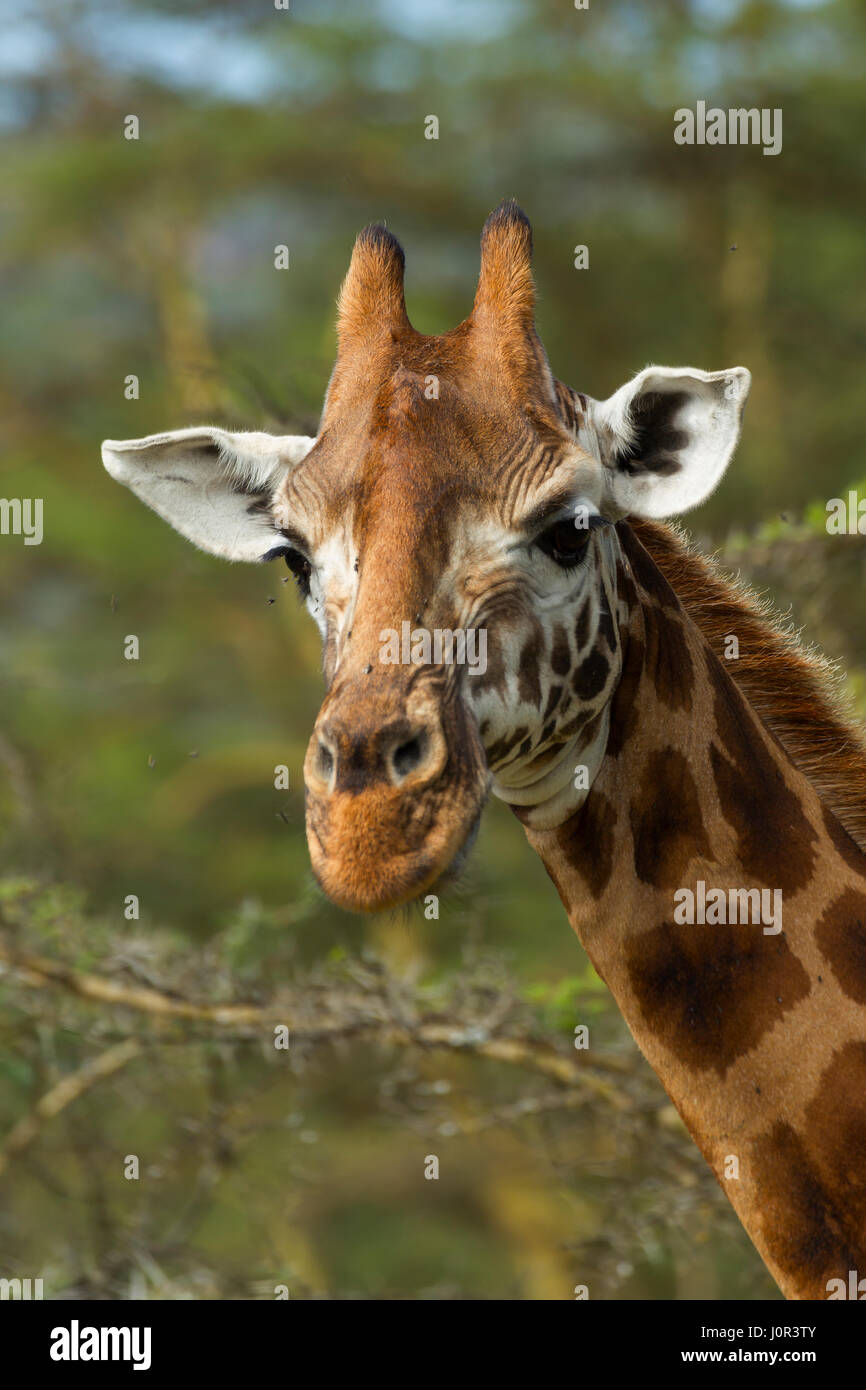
<point x="359" y="1014"/>
<point x="22" y="1135"/>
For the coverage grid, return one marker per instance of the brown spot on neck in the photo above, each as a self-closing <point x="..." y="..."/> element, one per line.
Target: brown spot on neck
<point x="775" y="840"/>
<point x="668" y="662"/>
<point x="587" y="841"/>
<point x="666" y="822"/>
<point x="841" y="938"/>
<point x="810" y="1199"/>
<point x="624" y="713"/>
<point x="710" y="993"/>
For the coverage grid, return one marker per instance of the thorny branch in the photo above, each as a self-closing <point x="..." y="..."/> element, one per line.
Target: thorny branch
<point x="68" y="1090"/>
<point x="371" y="1006"/>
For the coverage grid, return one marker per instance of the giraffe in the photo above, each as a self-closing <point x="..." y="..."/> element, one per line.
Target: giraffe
<point x="455" y="484"/>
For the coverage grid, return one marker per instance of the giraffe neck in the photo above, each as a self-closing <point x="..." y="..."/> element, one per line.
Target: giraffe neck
<point x="757" y="1029"/>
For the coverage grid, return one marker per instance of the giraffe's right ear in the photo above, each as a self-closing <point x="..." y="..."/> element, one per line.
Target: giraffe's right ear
<point x="666" y="437"/>
<point x="212" y="486"/>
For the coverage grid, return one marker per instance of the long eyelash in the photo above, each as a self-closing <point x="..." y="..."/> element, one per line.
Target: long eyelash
<point x="301" y="569"/>
<point x="297" y="563"/>
<point x="594" y="522"/>
<point x="573" y="564"/>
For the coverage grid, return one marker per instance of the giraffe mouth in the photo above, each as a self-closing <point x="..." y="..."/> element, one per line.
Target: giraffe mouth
<point x="371" y="853"/>
<point x="458" y="863"/>
<point x="452" y="872"/>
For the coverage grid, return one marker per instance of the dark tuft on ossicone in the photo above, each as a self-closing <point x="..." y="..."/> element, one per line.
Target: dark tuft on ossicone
<point x="377" y="237"/>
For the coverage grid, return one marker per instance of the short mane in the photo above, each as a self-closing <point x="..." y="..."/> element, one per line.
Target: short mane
<point x="795" y="690"/>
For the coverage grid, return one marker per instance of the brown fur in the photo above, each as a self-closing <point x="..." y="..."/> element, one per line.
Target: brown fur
<point x="371" y="298"/>
<point x="505" y="287"/>
<point x="794" y="690"/>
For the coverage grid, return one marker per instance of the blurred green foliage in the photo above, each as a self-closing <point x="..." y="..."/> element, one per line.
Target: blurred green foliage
<point x="155" y="257"/>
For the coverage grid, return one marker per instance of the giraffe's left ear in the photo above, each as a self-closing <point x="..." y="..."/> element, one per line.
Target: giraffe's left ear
<point x="667" y="437"/>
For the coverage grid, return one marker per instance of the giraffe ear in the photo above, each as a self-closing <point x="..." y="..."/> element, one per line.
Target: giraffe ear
<point x="214" y="487"/>
<point x="667" y="436"/>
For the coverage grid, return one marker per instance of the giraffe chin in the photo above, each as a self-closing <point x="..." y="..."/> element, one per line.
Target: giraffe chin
<point x="364" y="869"/>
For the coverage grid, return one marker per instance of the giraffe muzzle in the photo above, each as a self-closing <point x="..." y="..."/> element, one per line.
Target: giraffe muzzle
<point x="391" y="802"/>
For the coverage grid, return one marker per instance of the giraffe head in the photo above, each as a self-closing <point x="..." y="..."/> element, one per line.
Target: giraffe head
<point x="450" y="532"/>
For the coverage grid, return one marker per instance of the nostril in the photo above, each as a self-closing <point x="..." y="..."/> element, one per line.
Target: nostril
<point x="406" y="756"/>
<point x="325" y="761"/>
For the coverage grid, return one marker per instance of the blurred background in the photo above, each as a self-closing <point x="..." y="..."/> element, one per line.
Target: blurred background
<point x="155" y="258"/>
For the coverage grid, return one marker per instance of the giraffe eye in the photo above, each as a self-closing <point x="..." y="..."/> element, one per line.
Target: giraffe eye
<point x="564" y="542"/>
<point x="296" y="562"/>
